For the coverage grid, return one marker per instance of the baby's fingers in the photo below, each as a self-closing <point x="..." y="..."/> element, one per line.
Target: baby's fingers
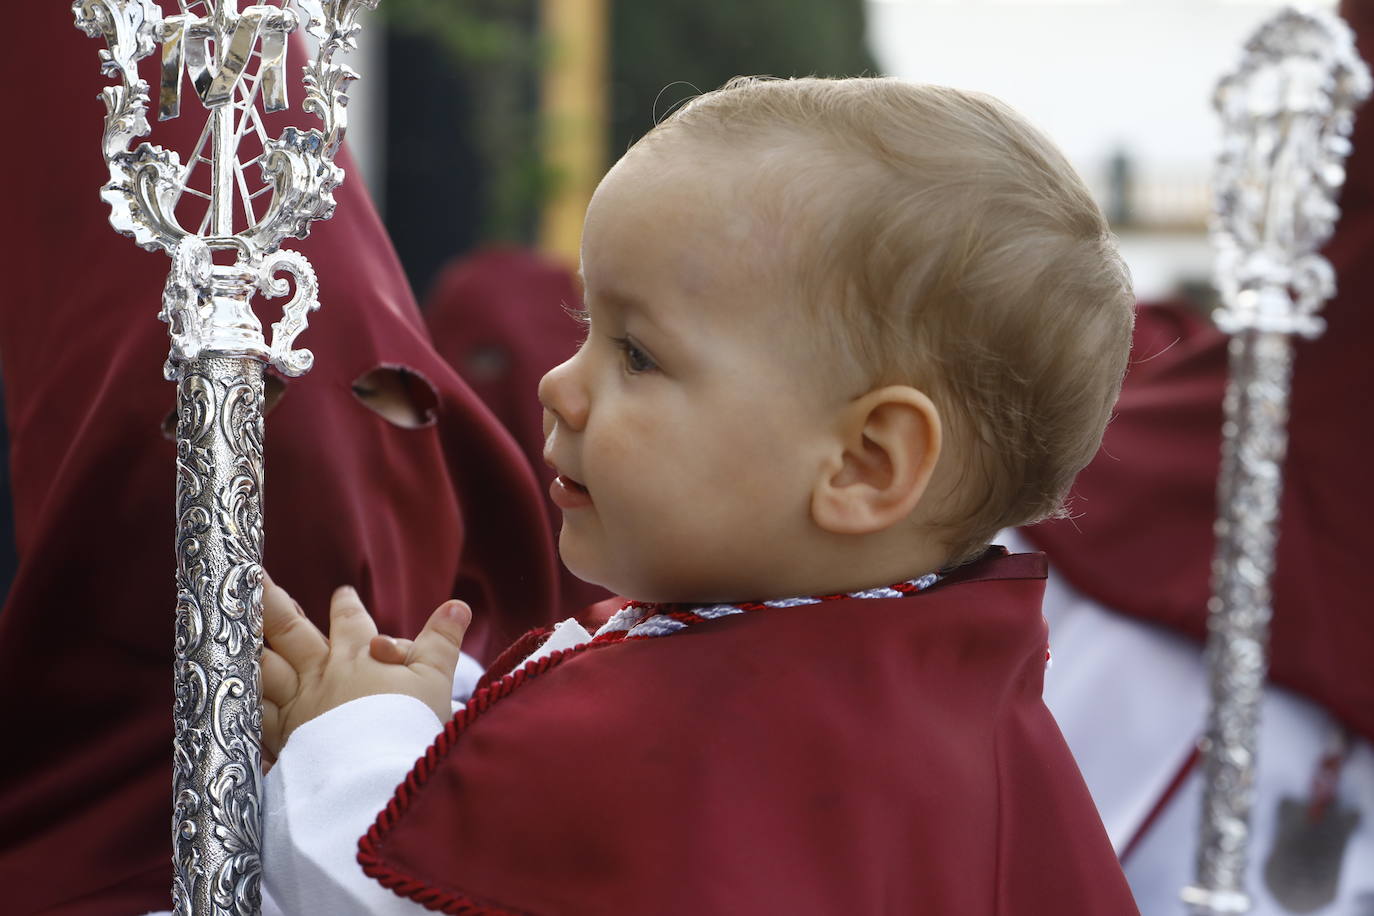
<point x="391" y="651"/>
<point x="441" y="641"/>
<point x="351" y="627"/>
<point x="271" y="733"/>
<point x="280" y="682"/>
<point x="289" y="631"/>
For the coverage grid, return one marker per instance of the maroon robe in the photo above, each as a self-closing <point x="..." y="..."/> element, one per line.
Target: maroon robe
<point x="856" y="756"/>
<point x="1140" y="541"/>
<point x="409" y="516"/>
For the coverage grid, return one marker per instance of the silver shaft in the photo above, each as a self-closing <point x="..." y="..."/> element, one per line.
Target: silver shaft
<point x="1251" y="484"/>
<point x="1286" y="113"/>
<point x="218" y="355"/>
<point x="217" y="768"/>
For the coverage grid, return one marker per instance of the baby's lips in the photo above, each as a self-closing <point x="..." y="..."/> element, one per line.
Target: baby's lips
<point x="567" y="479"/>
<point x="567" y="493"/>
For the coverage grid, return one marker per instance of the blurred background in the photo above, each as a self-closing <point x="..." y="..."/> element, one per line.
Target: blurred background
<point x="485" y="122"/>
<point x="481" y="128"/>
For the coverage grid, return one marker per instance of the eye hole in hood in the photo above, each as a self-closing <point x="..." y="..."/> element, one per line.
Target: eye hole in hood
<point x="398" y="395"/>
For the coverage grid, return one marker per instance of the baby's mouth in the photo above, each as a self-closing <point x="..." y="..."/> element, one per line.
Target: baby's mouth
<point x="567" y="493"/>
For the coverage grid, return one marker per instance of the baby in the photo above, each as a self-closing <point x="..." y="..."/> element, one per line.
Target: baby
<point x="838" y="334"/>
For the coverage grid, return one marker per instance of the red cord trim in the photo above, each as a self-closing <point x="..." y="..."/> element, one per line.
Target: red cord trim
<point x="1189" y="764"/>
<point x="513" y="655"/>
<point x="371" y="844"/>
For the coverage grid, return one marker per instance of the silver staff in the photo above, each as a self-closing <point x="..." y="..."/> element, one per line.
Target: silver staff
<point x="218" y="357"/>
<point x="1286" y="114"/>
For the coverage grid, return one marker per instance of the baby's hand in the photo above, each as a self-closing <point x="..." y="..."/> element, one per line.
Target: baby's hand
<point x="305" y="674"/>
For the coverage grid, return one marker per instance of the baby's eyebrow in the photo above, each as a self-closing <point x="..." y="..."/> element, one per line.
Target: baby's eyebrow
<point x="619" y="306"/>
<point x="614" y="299"/>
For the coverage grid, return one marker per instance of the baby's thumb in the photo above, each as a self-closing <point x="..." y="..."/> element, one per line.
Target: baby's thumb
<point x="441" y="641"/>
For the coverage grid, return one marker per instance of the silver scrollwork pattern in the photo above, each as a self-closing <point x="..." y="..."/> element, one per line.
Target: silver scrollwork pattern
<point x="295" y="313"/>
<point x="1286" y="115"/>
<point x="213" y="47"/>
<point x="303" y="183"/>
<point x="143" y="181"/>
<point x="217" y="819"/>
<point x="129" y="30"/>
<point x="183" y="299"/>
<point x="335" y="24"/>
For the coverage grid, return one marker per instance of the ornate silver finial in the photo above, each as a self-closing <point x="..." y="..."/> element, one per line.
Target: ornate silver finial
<point x="149" y="185"/>
<point x="1287" y="112"/>
<point x="218" y="356"/>
<point x="1286" y="116"/>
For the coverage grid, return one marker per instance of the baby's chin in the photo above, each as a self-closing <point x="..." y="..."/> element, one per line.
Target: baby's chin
<point x="590" y="571"/>
<point x="670" y="591"/>
<point x="632" y="588"/>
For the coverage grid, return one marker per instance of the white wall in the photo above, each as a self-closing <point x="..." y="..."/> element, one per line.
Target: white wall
<point x="1098" y="76"/>
<point x="366" y="104"/>
<point x="367" y="107"/>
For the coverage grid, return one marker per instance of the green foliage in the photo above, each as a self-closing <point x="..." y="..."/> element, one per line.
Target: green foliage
<point x="666" y="51"/>
<point x="663" y="51"/>
<point x="493" y="49"/>
<point x="474" y="33"/>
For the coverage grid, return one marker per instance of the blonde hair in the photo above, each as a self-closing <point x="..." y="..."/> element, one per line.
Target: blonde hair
<point x="952" y="247"/>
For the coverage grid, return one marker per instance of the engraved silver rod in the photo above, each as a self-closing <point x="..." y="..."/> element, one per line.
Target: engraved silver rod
<point x="217" y="356"/>
<point x="1250" y="487"/>
<point x="217" y="764"/>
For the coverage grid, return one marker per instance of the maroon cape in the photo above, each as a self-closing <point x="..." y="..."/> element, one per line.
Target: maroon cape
<point x="409" y="516"/>
<point x="1141" y="538"/>
<point x="856" y="756"/>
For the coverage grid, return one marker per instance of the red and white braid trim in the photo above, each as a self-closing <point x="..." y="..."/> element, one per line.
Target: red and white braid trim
<point x="644" y="620"/>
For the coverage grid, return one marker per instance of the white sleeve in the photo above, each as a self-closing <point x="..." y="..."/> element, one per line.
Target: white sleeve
<point x="465" y="678"/>
<point x="333" y="777"/>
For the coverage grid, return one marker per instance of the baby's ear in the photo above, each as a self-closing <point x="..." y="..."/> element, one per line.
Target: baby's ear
<point x="890" y="442"/>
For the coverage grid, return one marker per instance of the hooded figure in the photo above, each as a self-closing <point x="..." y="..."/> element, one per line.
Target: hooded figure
<point x="1132" y="695"/>
<point x="1141" y="539"/>
<point x="440" y="505"/>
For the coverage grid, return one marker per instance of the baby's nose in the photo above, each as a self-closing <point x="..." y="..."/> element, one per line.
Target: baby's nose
<point x="564" y="397"/>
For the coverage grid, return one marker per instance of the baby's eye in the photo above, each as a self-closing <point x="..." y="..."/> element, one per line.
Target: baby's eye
<point x="636" y="360"/>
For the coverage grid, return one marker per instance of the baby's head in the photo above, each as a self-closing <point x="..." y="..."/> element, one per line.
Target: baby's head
<point x="893" y="318"/>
